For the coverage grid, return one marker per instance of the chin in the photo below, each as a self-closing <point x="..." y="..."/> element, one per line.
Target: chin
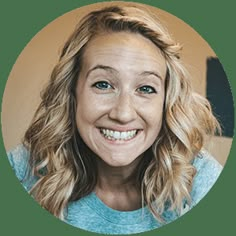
<point x="120" y="162"/>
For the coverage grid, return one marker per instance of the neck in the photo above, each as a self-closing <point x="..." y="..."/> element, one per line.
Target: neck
<point x="116" y="178"/>
<point x="118" y="187"/>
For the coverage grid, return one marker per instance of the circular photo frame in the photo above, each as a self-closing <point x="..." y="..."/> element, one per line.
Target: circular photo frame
<point x="117" y="110"/>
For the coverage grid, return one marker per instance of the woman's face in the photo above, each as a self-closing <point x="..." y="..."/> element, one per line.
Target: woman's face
<point x="120" y="95"/>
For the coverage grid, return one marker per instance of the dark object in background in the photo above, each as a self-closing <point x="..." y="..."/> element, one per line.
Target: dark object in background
<point x="220" y="96"/>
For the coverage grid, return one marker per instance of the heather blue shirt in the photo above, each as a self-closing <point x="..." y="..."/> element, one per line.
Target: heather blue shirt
<point x="90" y="213"/>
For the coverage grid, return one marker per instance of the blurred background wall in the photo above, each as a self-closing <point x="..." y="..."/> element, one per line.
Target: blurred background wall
<point x="34" y="65"/>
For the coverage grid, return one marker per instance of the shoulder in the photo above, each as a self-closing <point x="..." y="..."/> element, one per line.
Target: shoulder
<point x="208" y="170"/>
<point x="19" y="158"/>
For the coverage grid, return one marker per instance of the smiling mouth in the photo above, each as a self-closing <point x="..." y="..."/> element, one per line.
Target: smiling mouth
<point x="117" y="135"/>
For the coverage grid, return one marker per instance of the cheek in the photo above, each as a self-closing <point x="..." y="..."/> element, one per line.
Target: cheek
<point x="89" y="109"/>
<point x="85" y="103"/>
<point x="83" y="111"/>
<point x="154" y="129"/>
<point x="154" y="117"/>
<point x="84" y="115"/>
<point x="155" y="125"/>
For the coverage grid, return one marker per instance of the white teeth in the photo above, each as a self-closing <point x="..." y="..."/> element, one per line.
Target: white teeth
<point x="116" y="135"/>
<point x="123" y="135"/>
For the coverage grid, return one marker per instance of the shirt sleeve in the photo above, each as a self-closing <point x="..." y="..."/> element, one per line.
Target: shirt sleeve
<point x="19" y="161"/>
<point x="208" y="171"/>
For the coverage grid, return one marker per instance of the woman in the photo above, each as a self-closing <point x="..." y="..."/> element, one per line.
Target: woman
<point x="116" y="145"/>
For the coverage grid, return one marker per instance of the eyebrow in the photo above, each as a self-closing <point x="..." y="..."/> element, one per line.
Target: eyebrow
<point x="107" y="68"/>
<point x="145" y="73"/>
<point x="112" y="70"/>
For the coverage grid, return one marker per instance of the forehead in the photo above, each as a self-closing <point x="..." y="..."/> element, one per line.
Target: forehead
<point x="124" y="51"/>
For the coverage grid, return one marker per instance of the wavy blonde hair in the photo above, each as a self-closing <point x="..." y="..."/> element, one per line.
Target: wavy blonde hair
<point x="58" y="156"/>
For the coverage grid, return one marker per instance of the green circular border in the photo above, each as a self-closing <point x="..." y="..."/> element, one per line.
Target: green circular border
<point x="21" y="20"/>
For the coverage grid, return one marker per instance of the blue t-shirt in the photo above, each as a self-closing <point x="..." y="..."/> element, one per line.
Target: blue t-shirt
<point x="90" y="213"/>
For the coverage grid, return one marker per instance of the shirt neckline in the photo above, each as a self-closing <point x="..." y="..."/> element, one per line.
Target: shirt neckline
<point x="116" y="216"/>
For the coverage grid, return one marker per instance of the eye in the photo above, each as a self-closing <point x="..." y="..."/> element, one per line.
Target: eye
<point x="146" y="89"/>
<point x="103" y="85"/>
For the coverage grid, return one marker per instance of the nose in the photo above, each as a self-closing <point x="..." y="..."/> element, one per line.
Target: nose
<point x="123" y="110"/>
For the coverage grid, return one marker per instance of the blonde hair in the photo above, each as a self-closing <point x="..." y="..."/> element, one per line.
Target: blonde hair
<point x="67" y="171"/>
